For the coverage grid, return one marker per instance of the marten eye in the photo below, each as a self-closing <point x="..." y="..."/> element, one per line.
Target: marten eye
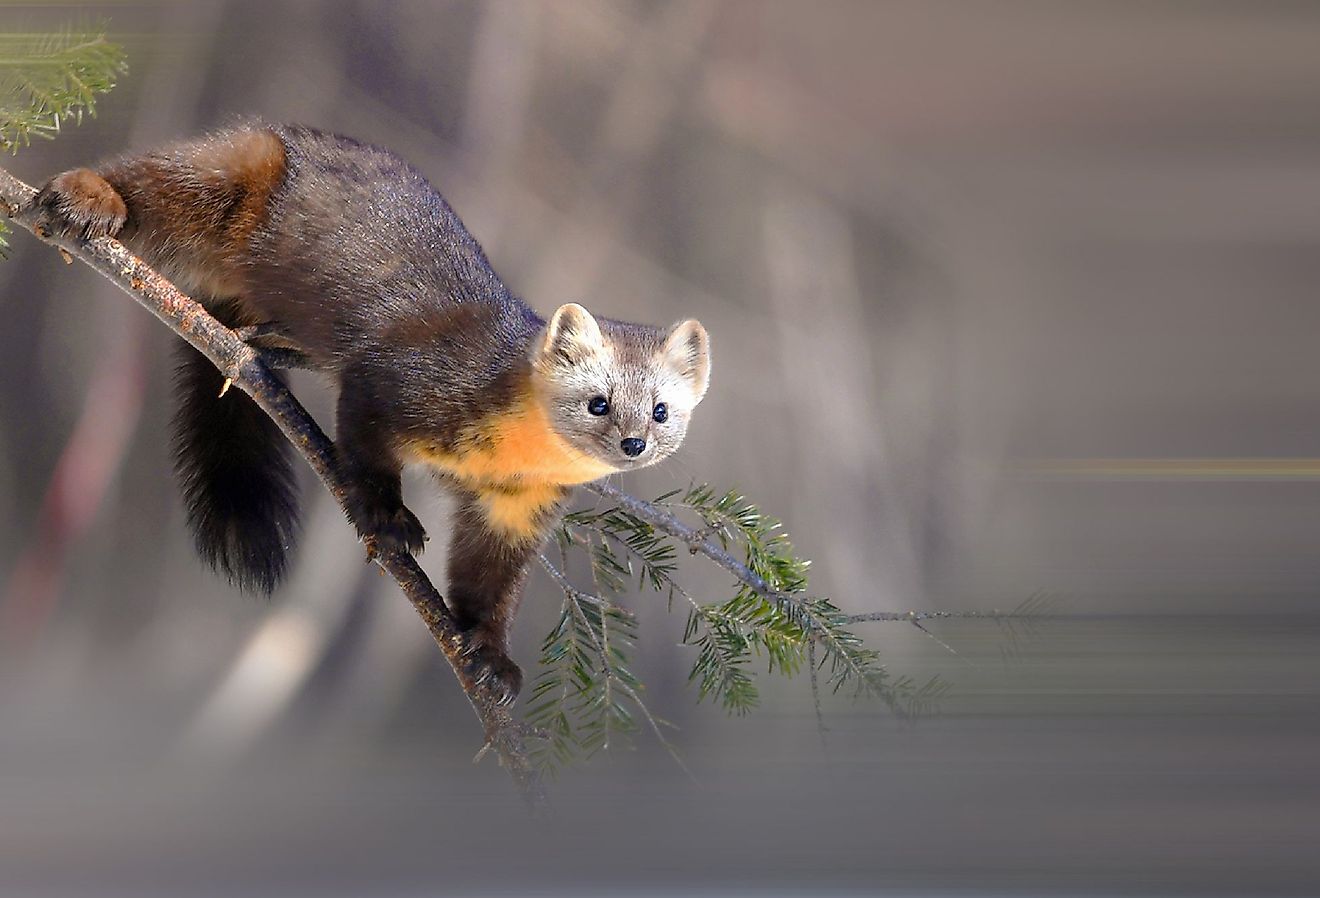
<point x="598" y="406"/>
<point x="660" y="413"/>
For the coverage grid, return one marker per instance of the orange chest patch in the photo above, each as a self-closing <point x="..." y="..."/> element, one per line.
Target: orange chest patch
<point x="518" y="447"/>
<point x="516" y="464"/>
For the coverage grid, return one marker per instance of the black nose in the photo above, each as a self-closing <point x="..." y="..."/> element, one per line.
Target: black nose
<point x="633" y="447"/>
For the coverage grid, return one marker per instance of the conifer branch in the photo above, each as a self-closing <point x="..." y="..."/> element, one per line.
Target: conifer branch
<point x="50" y="78"/>
<point x="583" y="664"/>
<point x="694" y="539"/>
<point x="243" y="365"/>
<point x="772" y="612"/>
<point x="769" y="613"/>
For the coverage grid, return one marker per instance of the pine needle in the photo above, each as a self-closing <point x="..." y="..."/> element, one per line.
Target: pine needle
<point x="47" y="79"/>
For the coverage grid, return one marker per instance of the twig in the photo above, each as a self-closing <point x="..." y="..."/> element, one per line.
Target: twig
<point x="698" y="541"/>
<point x="815" y="694"/>
<point x="915" y="617"/>
<point x="694" y="539"/>
<point x="243" y="365"/>
<point x="575" y="598"/>
<point x="576" y="595"/>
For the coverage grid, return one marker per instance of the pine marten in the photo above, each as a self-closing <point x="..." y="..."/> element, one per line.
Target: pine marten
<point x="349" y="254"/>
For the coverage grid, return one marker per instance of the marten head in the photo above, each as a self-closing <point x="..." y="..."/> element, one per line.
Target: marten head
<point x="622" y="393"/>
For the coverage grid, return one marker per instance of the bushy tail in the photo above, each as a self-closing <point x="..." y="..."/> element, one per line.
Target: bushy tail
<point x="235" y="471"/>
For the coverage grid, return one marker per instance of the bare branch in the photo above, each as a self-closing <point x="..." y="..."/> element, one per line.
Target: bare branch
<point x="245" y="367"/>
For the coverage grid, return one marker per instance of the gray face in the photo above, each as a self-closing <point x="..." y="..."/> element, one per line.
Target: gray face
<point x="625" y="395"/>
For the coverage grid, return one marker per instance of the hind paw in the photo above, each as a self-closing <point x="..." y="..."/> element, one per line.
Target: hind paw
<point x="80" y="203"/>
<point x="490" y="667"/>
<point x="390" y="529"/>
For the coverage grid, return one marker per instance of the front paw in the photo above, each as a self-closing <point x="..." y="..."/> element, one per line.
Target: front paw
<point x="80" y="204"/>
<point x="490" y="667"/>
<point x="388" y="528"/>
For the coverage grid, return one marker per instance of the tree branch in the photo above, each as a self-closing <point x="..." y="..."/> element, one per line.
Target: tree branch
<point x="245" y="367"/>
<point x="696" y="540"/>
<point x="699" y="542"/>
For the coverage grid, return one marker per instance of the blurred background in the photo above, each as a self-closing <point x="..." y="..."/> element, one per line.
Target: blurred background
<point x="1006" y="299"/>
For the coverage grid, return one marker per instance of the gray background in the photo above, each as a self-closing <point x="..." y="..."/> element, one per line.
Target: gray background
<point x="988" y="283"/>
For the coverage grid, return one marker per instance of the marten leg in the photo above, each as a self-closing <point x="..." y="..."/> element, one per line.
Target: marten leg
<point x="370" y="464"/>
<point x="494" y="537"/>
<point x="188" y="209"/>
<point x="80" y="203"/>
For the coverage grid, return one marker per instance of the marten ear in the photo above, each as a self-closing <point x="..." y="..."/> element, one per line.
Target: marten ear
<point x="687" y="351"/>
<point x="571" y="336"/>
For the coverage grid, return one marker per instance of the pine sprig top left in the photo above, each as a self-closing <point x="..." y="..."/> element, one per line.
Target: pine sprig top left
<point x="50" y="78"/>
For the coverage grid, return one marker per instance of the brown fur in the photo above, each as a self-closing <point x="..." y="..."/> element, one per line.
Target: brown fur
<point x="354" y="258"/>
